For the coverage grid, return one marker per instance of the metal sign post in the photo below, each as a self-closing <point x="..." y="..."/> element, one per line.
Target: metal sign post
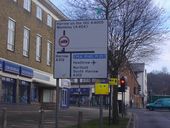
<point x="122" y="104"/>
<point x="80" y="51"/>
<point x="57" y="102"/>
<point x="101" y="112"/>
<point x="101" y="89"/>
<point x="110" y="104"/>
<point x="79" y="97"/>
<point x="112" y="82"/>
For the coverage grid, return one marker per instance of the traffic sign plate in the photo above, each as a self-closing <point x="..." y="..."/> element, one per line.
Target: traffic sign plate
<point x="85" y="43"/>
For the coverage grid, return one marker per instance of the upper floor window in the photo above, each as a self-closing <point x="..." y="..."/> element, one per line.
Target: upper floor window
<point x="49" y="52"/>
<point x="39" y="12"/>
<point x="27" y="5"/>
<point x="49" y="20"/>
<point x="38" y="48"/>
<point x="26" y="41"/>
<point x="11" y="35"/>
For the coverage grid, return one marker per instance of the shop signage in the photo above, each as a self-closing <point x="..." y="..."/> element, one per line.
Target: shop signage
<point x="1" y="64"/>
<point x="83" y="91"/>
<point x="27" y="72"/>
<point x="41" y="76"/>
<point x="11" y="68"/>
<point x="8" y="80"/>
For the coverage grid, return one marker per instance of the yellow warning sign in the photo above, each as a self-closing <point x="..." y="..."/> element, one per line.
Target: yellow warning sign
<point x="101" y="89"/>
<point x="113" y="81"/>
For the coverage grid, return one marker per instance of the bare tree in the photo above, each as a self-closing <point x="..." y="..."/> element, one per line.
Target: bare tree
<point x="135" y="28"/>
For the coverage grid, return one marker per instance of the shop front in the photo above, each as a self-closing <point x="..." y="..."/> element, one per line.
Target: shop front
<point x="24" y="92"/>
<point x="80" y="96"/>
<point x="20" y="84"/>
<point x="64" y="98"/>
<point x="8" y="90"/>
<point x="65" y="85"/>
<point x="43" y="90"/>
<point x="15" y="83"/>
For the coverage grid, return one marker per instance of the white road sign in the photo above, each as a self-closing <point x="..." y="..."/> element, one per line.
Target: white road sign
<point x="81" y="49"/>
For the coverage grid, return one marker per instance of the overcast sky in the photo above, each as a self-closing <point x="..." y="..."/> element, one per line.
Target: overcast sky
<point x="164" y="57"/>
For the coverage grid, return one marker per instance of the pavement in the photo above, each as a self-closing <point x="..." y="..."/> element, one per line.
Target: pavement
<point x="28" y="116"/>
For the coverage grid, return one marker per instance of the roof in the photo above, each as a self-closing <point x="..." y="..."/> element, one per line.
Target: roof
<point x="138" y="67"/>
<point x="56" y="11"/>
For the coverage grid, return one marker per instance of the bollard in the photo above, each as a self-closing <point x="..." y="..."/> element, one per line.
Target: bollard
<point x="80" y="119"/>
<point x="41" y="116"/>
<point x="4" y="118"/>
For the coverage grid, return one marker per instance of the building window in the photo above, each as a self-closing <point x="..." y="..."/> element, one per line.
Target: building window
<point x="49" y="52"/>
<point x="11" y="34"/>
<point x="47" y="95"/>
<point x="39" y="12"/>
<point x="26" y="41"/>
<point x="15" y="0"/>
<point x="38" y="48"/>
<point x="74" y="80"/>
<point x="85" y="80"/>
<point x="49" y="20"/>
<point x="27" y="5"/>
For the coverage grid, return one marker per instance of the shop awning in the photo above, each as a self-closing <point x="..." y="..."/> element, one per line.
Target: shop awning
<point x="43" y="83"/>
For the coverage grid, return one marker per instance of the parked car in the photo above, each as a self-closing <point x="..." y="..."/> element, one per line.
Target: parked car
<point x="162" y="103"/>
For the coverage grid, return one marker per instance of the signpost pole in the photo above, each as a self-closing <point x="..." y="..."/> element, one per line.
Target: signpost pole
<point x="57" y="102"/>
<point x="79" y="97"/>
<point x="122" y="104"/>
<point x="101" y="111"/>
<point x="124" y="108"/>
<point x="110" y="104"/>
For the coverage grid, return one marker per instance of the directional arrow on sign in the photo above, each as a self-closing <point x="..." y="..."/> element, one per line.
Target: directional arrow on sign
<point x="93" y="62"/>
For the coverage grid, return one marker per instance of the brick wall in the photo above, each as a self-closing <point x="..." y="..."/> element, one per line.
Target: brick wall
<point x="132" y="84"/>
<point x="24" y="18"/>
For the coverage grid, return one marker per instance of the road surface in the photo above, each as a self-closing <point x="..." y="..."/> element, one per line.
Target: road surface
<point x="151" y="119"/>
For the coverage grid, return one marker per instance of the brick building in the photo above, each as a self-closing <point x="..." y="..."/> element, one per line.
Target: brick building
<point x="132" y="97"/>
<point x="27" y="30"/>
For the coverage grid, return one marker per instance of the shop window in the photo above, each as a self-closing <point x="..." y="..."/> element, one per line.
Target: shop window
<point x="8" y="90"/>
<point x="64" y="97"/>
<point x="34" y="94"/>
<point x="48" y="96"/>
<point x="24" y="92"/>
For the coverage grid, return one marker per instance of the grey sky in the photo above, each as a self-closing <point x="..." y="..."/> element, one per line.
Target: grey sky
<point x="164" y="57"/>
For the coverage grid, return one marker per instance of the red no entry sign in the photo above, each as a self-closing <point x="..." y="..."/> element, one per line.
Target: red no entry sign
<point x="64" y="41"/>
